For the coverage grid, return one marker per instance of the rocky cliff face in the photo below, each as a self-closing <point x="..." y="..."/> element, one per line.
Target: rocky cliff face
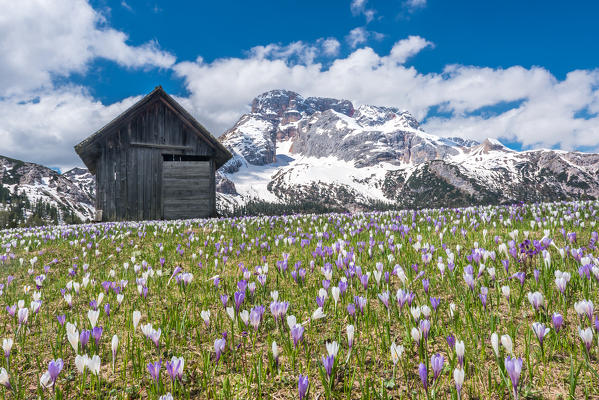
<point x="41" y="184"/>
<point x="290" y="148"/>
<point x="83" y="180"/>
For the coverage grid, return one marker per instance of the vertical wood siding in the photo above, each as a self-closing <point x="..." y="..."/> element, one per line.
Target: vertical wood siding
<point x="129" y="177"/>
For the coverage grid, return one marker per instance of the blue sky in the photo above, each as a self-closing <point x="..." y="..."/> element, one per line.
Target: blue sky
<point x="560" y="36"/>
<point x="524" y="72"/>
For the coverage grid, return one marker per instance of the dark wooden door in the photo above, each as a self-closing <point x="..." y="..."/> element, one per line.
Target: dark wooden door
<point x="186" y="189"/>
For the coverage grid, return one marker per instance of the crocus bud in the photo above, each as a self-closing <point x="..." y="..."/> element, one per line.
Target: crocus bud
<point x="115" y="346"/>
<point x="506" y="341"/>
<point x="495" y="343"/>
<point x="136" y="318"/>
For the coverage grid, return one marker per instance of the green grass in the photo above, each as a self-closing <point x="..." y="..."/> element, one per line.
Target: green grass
<point x="132" y="252"/>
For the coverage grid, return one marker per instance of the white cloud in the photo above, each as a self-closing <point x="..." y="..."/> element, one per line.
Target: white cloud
<point x="42" y="125"/>
<point x="358" y="7"/>
<point x="357" y="36"/>
<point x="126" y="6"/>
<point x="298" y="52"/>
<point x="42" y="40"/>
<point x="413" y="5"/>
<point x="330" y="46"/>
<point x="406" y="48"/>
<point x="542" y="114"/>
<point x="360" y="35"/>
<point x="45" y="128"/>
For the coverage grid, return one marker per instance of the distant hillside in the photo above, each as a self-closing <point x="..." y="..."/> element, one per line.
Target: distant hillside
<point x="31" y="194"/>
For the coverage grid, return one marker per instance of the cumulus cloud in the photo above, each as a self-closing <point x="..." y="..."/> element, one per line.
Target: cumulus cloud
<point x="361" y="35"/>
<point x="297" y="52"/>
<point x="526" y="105"/>
<point x="406" y="48"/>
<point x="358" y="7"/>
<point x="357" y="36"/>
<point x="542" y="110"/>
<point x="45" y="128"/>
<point x="330" y="46"/>
<point x="43" y="40"/>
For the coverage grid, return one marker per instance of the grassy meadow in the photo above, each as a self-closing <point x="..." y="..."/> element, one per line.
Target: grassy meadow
<point x="477" y="303"/>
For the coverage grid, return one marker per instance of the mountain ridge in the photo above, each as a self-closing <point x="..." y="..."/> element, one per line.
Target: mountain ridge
<point x="282" y="147"/>
<point x="291" y="150"/>
<point x="29" y="188"/>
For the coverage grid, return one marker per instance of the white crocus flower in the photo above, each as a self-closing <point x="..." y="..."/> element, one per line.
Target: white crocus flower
<point x="318" y="314"/>
<point x="93" y="317"/>
<point x="136" y="318"/>
<point x="506" y="341"/>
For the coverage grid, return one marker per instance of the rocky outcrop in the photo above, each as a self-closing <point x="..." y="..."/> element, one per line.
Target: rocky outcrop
<point x="83" y="180"/>
<point x="331" y="151"/>
<point x="43" y="184"/>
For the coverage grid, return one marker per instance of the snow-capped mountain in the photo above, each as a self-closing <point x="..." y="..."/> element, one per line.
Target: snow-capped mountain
<point x="33" y="184"/>
<point x="83" y="179"/>
<point x="293" y="149"/>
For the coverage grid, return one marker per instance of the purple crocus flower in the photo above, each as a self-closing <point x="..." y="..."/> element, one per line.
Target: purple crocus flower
<point x="351" y="309"/>
<point x="437" y="362"/>
<point x="384" y="298"/>
<point x="425" y="285"/>
<point x="172" y="368"/>
<point x="361" y="303"/>
<point x="425" y="327"/>
<point x="469" y="279"/>
<point x="107" y="309"/>
<point x="297" y="333"/>
<point x="61" y="319"/>
<point x="320" y="301"/>
<point x="219" y="347"/>
<point x="558" y="320"/>
<point x="54" y="368"/>
<point x="513" y="366"/>
<point x="154" y="369"/>
<point x="11" y="310"/>
<point x="521" y="277"/>
<point x="435" y="301"/>
<point x="239" y="297"/>
<point x="223" y="299"/>
<point x="327" y="362"/>
<point x="84" y="338"/>
<point x="302" y="386"/>
<point x="451" y="341"/>
<point x="540" y="331"/>
<point x="423" y="375"/>
<point x="483" y="299"/>
<point x="255" y="318"/>
<point x="364" y="281"/>
<point x="97" y="334"/>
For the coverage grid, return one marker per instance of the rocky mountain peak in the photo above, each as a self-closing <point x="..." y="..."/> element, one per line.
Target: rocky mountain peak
<point x="489" y="145"/>
<point x="368" y="115"/>
<point x="275" y="102"/>
<point x="283" y="103"/>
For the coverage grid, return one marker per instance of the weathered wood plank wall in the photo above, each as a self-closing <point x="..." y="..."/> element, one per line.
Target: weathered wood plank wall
<point x="129" y="174"/>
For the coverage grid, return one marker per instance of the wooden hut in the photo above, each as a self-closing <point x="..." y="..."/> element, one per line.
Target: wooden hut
<point x="154" y="161"/>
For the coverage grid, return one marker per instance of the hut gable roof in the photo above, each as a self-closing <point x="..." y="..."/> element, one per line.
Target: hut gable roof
<point x="88" y="151"/>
